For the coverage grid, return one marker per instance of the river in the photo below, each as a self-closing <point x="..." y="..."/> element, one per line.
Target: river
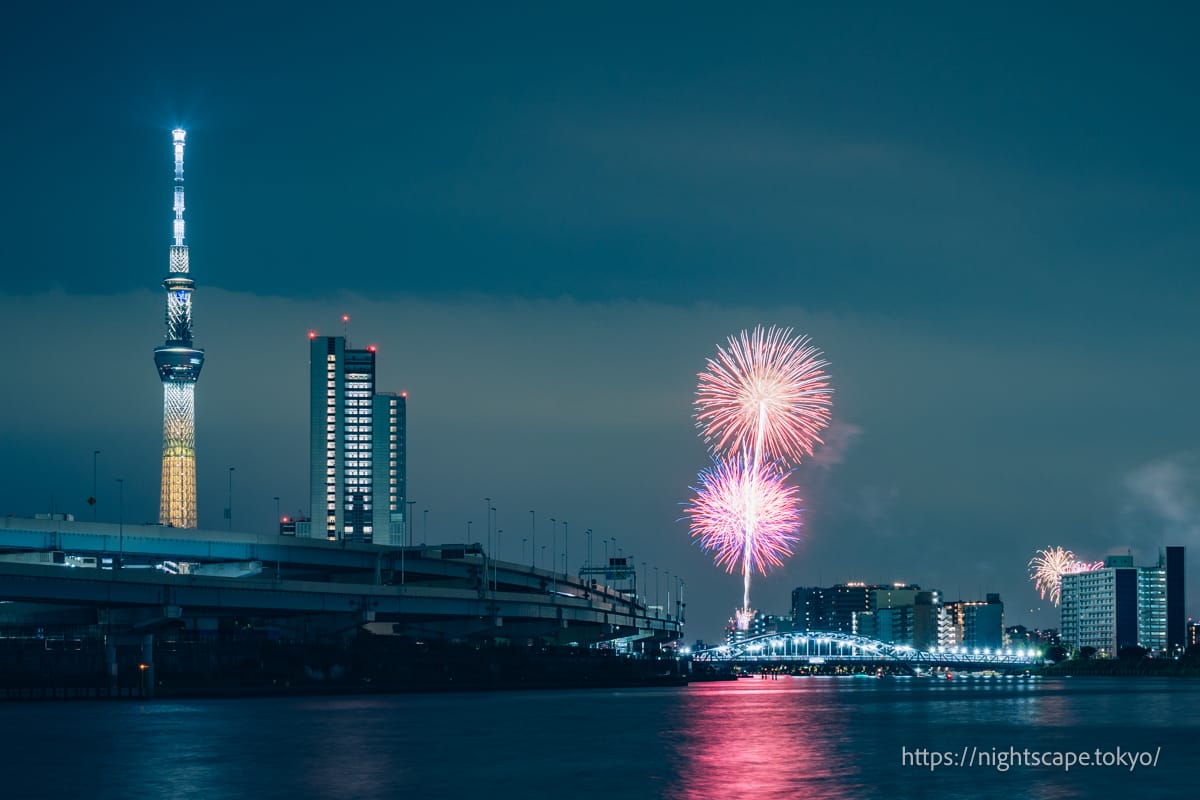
<point x="801" y="737"/>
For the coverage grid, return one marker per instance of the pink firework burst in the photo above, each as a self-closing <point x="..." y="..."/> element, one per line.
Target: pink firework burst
<point x="1048" y="566"/>
<point x="745" y="517"/>
<point x="766" y="394"/>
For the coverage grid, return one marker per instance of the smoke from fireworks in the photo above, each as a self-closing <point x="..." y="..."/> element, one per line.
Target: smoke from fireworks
<point x="1048" y="566"/>
<point x="760" y="407"/>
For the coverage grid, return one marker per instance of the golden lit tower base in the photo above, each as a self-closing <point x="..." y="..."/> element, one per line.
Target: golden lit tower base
<point x="177" y="503"/>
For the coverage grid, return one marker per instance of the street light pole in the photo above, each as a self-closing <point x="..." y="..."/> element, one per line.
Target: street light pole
<point x="410" y="504"/>
<point x="425" y="528"/>
<point x="566" y="549"/>
<point x="532" y="538"/>
<point x="495" y="554"/>
<point x="95" y="498"/>
<point x="278" y="518"/>
<point x="487" y="510"/>
<point x="667" y="607"/>
<point x="230" y="509"/>
<point x="606" y="565"/>
<point x="589" y="552"/>
<point x="121" y="524"/>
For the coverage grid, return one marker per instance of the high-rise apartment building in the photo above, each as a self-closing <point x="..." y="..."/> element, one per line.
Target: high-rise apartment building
<point x="833" y="608"/>
<point x="1152" y="608"/>
<point x="1100" y="608"/>
<point x="1176" y="621"/>
<point x="975" y="624"/>
<point x="1122" y="605"/>
<point x="930" y="621"/>
<point x="390" y="417"/>
<point x="356" y="447"/>
<point x="892" y="613"/>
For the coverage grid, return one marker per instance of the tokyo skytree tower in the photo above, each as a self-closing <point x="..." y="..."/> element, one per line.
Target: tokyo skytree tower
<point x="179" y="366"/>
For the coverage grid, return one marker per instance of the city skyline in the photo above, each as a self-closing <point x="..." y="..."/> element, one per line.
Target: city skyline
<point x="545" y="239"/>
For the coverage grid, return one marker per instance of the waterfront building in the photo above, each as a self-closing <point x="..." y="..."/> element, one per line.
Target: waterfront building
<point x="1122" y="605"/>
<point x="975" y="624"/>
<point x="892" y="625"/>
<point x="1099" y="608"/>
<point x="759" y="624"/>
<point x="356" y="447"/>
<point x="390" y="420"/>
<point x="1176" y="632"/>
<point x="179" y="364"/>
<point x="1152" y="608"/>
<point x="834" y="608"/>
<point x="1020" y="636"/>
<point x="891" y="614"/>
<point x="812" y="608"/>
<point x="931" y="621"/>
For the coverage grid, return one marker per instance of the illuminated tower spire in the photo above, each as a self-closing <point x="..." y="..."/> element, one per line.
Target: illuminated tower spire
<point x="179" y="366"/>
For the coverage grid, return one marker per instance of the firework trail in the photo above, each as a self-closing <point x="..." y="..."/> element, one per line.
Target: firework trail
<point x="764" y="397"/>
<point x="1048" y="566"/>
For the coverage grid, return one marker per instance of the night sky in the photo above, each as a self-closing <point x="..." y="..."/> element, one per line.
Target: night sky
<point x="546" y="218"/>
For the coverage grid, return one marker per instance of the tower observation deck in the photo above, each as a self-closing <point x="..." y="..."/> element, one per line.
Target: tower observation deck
<point x="179" y="364"/>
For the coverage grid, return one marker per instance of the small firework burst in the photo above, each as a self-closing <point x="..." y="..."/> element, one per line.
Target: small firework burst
<point x="1048" y="566"/>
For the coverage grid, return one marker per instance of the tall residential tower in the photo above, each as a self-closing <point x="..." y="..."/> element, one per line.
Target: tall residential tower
<point x="356" y="447"/>
<point x="179" y="366"/>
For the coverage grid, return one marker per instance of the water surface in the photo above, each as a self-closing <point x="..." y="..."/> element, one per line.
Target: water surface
<point x="808" y="737"/>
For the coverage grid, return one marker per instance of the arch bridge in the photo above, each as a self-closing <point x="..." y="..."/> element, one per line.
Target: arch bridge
<point x="835" y="647"/>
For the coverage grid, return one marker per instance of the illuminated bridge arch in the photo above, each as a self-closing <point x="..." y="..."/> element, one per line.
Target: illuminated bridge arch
<point x="818" y="647"/>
